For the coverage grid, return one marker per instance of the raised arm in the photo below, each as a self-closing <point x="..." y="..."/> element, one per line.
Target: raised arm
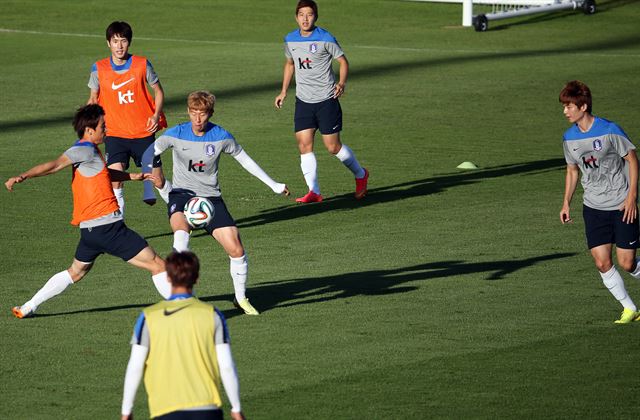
<point x="286" y="81"/>
<point x="42" y="169"/>
<point x="254" y="169"/>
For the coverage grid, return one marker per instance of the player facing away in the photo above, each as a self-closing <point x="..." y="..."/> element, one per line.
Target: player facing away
<point x="119" y="84"/>
<point x="181" y="346"/>
<point x="609" y="165"/>
<point x="95" y="210"/>
<point x="197" y="147"/>
<point x="309" y="51"/>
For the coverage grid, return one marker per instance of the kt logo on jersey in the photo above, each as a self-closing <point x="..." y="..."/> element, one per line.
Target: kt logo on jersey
<point x="126" y="97"/>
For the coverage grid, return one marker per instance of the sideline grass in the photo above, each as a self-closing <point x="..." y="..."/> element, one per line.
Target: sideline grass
<point x="445" y="294"/>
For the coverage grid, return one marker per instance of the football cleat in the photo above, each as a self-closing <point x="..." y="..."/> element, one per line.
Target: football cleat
<point x="311" y="197"/>
<point x="245" y="306"/>
<point x="20" y="313"/>
<point x="627" y="316"/>
<point x="361" y="185"/>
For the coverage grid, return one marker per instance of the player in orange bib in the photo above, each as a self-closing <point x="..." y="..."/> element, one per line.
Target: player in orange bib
<point x="95" y="211"/>
<point x="119" y="84"/>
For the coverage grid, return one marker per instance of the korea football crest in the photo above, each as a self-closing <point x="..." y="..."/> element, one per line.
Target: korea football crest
<point x="313" y="48"/>
<point x="209" y="150"/>
<point x="597" y="145"/>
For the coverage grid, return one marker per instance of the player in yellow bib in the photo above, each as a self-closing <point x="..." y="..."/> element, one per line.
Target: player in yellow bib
<point x="181" y="347"/>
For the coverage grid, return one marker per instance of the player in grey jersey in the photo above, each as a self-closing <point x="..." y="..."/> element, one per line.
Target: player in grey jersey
<point x="309" y="52"/>
<point x="609" y="165"/>
<point x="197" y="146"/>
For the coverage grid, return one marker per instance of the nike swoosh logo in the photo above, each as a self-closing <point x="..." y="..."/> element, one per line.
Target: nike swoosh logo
<point x="631" y="243"/>
<point x="168" y="312"/>
<point x="576" y="149"/>
<point x="116" y="87"/>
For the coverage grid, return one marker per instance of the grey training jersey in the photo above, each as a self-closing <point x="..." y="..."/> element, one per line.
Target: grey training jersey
<point x="312" y="57"/>
<point x="195" y="159"/>
<point x="599" y="154"/>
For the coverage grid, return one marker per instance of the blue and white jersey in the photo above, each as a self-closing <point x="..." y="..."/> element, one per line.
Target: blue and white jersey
<point x="312" y="56"/>
<point x="599" y="154"/>
<point x="195" y="158"/>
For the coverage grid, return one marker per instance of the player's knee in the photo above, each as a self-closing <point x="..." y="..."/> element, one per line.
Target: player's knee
<point x="603" y="265"/>
<point x="627" y="265"/>
<point x="236" y="252"/>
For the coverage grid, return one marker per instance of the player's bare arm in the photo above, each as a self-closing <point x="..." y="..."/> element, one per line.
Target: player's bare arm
<point x="286" y="81"/>
<point x="630" y="205"/>
<point x="93" y="97"/>
<point x="152" y="122"/>
<point x="120" y="176"/>
<point x="344" y="73"/>
<point x="43" y="169"/>
<point x="571" y="182"/>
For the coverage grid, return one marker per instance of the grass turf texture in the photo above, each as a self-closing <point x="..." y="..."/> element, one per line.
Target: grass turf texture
<point x="445" y="294"/>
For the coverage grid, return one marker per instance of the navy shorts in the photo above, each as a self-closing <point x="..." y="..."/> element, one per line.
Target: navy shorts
<point x="326" y="116"/>
<point x="606" y="227"/>
<point x="178" y="197"/>
<point x="192" y="415"/>
<point x="114" y="239"/>
<point x="120" y="150"/>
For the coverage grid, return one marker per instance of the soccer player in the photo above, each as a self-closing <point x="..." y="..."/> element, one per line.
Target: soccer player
<point x="309" y="52"/>
<point x="197" y="146"/>
<point x="181" y="346"/>
<point x="119" y="84"/>
<point x="95" y="210"/>
<point x="609" y="165"/>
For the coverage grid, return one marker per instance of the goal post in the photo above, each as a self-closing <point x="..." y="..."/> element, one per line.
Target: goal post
<point x="504" y="9"/>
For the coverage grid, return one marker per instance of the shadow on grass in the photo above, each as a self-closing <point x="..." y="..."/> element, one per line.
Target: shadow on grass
<point x="288" y="293"/>
<point x="176" y="101"/>
<point x="389" y="193"/>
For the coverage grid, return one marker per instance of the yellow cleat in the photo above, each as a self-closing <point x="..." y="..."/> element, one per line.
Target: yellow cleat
<point x="246" y="307"/>
<point x="627" y="316"/>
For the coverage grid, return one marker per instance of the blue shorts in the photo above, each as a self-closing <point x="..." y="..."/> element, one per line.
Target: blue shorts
<point x="120" y="150"/>
<point x="325" y="115"/>
<point x="606" y="227"/>
<point x="114" y="239"/>
<point x="178" y="197"/>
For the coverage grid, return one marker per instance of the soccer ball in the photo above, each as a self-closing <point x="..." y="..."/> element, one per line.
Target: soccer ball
<point x="199" y="212"/>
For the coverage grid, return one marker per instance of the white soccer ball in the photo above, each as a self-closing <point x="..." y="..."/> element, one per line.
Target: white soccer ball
<point x="199" y="212"/>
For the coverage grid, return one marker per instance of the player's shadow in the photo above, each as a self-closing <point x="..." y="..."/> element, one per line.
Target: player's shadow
<point x="389" y="193"/>
<point x="294" y="292"/>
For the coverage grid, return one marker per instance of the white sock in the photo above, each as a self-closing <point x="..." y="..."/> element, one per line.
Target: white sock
<point x="53" y="287"/>
<point x="349" y="160"/>
<point x="239" y="269"/>
<point x="162" y="284"/>
<point x="165" y="190"/>
<point x="309" y="167"/>
<point x="636" y="273"/>
<point x="181" y="240"/>
<point x="613" y="281"/>
<point x="119" y="193"/>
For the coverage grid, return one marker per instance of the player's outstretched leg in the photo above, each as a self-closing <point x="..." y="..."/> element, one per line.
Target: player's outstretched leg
<point x="181" y="240"/>
<point x="53" y="287"/>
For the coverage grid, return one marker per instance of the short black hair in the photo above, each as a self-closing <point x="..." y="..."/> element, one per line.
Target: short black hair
<point x="87" y="116"/>
<point x="308" y="3"/>
<point x="120" y="28"/>
<point x="183" y="268"/>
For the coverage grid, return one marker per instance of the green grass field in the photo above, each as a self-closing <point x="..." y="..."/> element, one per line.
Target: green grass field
<point x="445" y="294"/>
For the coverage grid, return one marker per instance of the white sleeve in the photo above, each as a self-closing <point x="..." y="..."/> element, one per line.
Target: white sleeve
<point x="161" y="144"/>
<point x="228" y="375"/>
<point x="132" y="379"/>
<point x="254" y="169"/>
